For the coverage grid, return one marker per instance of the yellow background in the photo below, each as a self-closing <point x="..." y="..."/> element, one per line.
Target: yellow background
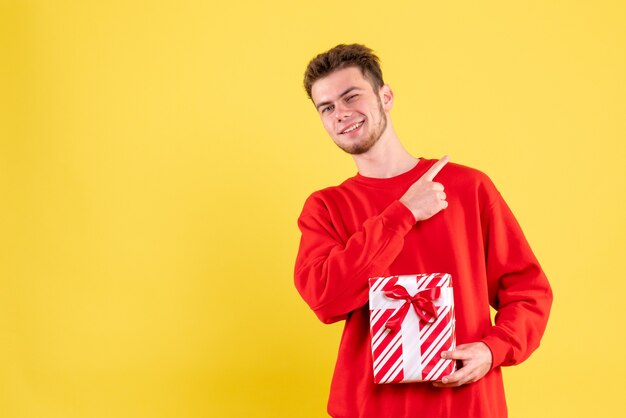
<point x="155" y="156"/>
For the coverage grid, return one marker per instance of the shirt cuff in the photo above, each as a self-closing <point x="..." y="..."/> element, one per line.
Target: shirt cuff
<point x="398" y="218"/>
<point x="499" y="349"/>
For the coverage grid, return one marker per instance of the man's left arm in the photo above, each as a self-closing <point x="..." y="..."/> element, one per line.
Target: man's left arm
<point x="518" y="290"/>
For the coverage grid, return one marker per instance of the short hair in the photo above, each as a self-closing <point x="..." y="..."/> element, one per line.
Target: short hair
<point x="342" y="56"/>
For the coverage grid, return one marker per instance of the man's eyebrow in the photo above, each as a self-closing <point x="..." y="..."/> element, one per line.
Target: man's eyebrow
<point x="346" y="91"/>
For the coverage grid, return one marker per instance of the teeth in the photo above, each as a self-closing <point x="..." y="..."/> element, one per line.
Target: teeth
<point x="352" y="128"/>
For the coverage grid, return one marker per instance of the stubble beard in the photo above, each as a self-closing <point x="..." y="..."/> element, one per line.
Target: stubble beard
<point x="363" y="147"/>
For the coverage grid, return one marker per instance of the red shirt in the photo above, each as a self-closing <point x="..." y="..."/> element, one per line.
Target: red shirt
<point x="359" y="230"/>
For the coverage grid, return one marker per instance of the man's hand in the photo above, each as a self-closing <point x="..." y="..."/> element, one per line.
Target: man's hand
<point x="476" y="359"/>
<point x="425" y="198"/>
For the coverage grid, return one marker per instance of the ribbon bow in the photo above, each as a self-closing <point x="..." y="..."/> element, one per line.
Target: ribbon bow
<point x="422" y="303"/>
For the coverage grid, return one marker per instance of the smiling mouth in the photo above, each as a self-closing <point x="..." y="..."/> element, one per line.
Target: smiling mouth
<point x="352" y="128"/>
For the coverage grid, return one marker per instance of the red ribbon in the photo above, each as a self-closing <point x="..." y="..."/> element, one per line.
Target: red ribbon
<point x="422" y="303"/>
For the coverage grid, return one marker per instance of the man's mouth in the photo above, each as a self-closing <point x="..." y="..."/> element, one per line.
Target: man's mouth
<point x="352" y="128"/>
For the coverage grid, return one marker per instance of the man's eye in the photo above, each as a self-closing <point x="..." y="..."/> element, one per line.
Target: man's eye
<point x="327" y="109"/>
<point x="352" y="98"/>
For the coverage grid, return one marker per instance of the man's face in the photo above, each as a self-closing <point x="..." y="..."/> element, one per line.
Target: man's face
<point x="352" y="113"/>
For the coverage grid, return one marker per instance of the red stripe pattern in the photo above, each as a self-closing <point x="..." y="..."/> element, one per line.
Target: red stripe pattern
<point x="413" y="352"/>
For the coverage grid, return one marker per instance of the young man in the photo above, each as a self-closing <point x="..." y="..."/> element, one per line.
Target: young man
<point x="405" y="215"/>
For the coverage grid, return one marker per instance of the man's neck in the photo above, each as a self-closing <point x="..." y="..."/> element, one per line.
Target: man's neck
<point x="387" y="158"/>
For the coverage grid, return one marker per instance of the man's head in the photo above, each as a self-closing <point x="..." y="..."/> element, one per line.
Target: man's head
<point x="340" y="57"/>
<point x="346" y="87"/>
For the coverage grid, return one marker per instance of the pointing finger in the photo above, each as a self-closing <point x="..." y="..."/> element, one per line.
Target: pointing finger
<point x="435" y="169"/>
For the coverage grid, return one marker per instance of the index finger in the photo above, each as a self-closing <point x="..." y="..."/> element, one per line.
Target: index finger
<point x="456" y="355"/>
<point x="436" y="168"/>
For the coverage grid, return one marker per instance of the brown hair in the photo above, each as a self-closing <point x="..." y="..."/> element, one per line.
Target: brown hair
<point x="342" y="56"/>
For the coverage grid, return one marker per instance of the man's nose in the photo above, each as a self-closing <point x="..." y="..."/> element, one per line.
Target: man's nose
<point x="342" y="112"/>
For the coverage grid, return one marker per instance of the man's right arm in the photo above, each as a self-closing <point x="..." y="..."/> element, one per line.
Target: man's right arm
<point x="332" y="274"/>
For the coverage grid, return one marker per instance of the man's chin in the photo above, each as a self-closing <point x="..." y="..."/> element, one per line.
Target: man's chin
<point x="357" y="148"/>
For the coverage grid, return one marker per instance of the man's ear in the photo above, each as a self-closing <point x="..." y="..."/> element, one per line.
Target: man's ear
<point x="386" y="97"/>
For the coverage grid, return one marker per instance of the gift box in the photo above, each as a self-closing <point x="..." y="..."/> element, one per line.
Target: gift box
<point x="411" y="323"/>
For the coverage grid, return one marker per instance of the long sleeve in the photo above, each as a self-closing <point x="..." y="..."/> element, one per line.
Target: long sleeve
<point x="331" y="272"/>
<point x="518" y="287"/>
